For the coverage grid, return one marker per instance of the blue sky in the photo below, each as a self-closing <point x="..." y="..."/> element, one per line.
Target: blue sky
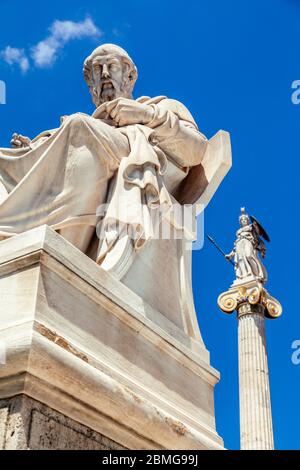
<point x="232" y="64"/>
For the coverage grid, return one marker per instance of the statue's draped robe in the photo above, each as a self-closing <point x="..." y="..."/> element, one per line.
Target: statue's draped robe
<point x="246" y="258"/>
<point x="63" y="178"/>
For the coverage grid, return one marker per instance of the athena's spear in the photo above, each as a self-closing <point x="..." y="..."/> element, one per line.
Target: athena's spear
<point x="218" y="248"/>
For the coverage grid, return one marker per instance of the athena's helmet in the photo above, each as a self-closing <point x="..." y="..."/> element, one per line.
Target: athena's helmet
<point x="244" y="215"/>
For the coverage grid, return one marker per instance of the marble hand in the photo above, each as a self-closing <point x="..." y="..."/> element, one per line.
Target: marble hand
<point x="124" y="112"/>
<point x="230" y="255"/>
<point x="19" y="141"/>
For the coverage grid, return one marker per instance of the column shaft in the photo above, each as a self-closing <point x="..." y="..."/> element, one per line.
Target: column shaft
<point x="254" y="387"/>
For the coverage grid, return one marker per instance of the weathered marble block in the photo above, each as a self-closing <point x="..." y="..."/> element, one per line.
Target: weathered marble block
<point x="89" y="358"/>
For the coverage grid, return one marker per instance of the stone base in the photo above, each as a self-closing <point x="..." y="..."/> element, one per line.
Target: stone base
<point x="87" y="358"/>
<point x="28" y="424"/>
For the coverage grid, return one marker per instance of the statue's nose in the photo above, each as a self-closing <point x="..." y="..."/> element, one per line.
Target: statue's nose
<point x="105" y="72"/>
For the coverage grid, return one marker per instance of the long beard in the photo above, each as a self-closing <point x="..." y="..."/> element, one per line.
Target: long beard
<point x="103" y="93"/>
<point x="108" y="94"/>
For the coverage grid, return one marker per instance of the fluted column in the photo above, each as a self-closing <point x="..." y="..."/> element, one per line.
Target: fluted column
<point x="254" y="388"/>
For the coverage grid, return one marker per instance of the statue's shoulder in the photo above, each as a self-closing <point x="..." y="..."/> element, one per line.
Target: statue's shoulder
<point x="169" y="104"/>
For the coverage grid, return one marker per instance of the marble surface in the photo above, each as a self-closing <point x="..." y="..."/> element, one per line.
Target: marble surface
<point x="83" y="344"/>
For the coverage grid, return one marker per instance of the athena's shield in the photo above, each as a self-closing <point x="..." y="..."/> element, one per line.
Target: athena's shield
<point x="261" y="231"/>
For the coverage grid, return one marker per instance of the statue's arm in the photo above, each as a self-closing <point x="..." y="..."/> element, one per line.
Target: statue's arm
<point x="230" y="255"/>
<point x="176" y="133"/>
<point x="19" y="141"/>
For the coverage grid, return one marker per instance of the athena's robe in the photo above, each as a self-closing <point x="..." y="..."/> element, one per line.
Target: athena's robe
<point x="246" y="258"/>
<point x="64" y="176"/>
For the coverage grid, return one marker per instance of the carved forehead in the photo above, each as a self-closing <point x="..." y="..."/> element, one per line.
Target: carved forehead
<point x="110" y="51"/>
<point x="102" y="58"/>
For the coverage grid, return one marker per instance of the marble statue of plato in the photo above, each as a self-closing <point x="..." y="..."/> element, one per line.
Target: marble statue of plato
<point x="131" y="153"/>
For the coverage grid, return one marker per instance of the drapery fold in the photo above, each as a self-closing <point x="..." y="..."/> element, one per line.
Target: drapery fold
<point x="63" y="179"/>
<point x="138" y="195"/>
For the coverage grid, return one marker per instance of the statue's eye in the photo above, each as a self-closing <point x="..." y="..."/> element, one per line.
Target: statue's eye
<point x="114" y="67"/>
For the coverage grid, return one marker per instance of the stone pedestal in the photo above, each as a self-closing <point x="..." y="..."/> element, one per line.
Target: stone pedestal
<point x="89" y="364"/>
<point x="253" y="304"/>
<point x="28" y="424"/>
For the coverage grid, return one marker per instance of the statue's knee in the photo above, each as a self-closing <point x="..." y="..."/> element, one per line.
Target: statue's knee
<point x="75" y="121"/>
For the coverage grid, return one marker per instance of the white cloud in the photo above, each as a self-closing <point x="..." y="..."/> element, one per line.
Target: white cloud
<point x="67" y="30"/>
<point x="12" y="56"/>
<point x="45" y="53"/>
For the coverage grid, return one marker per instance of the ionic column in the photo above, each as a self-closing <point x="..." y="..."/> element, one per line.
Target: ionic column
<point x="256" y="430"/>
<point x="253" y="305"/>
